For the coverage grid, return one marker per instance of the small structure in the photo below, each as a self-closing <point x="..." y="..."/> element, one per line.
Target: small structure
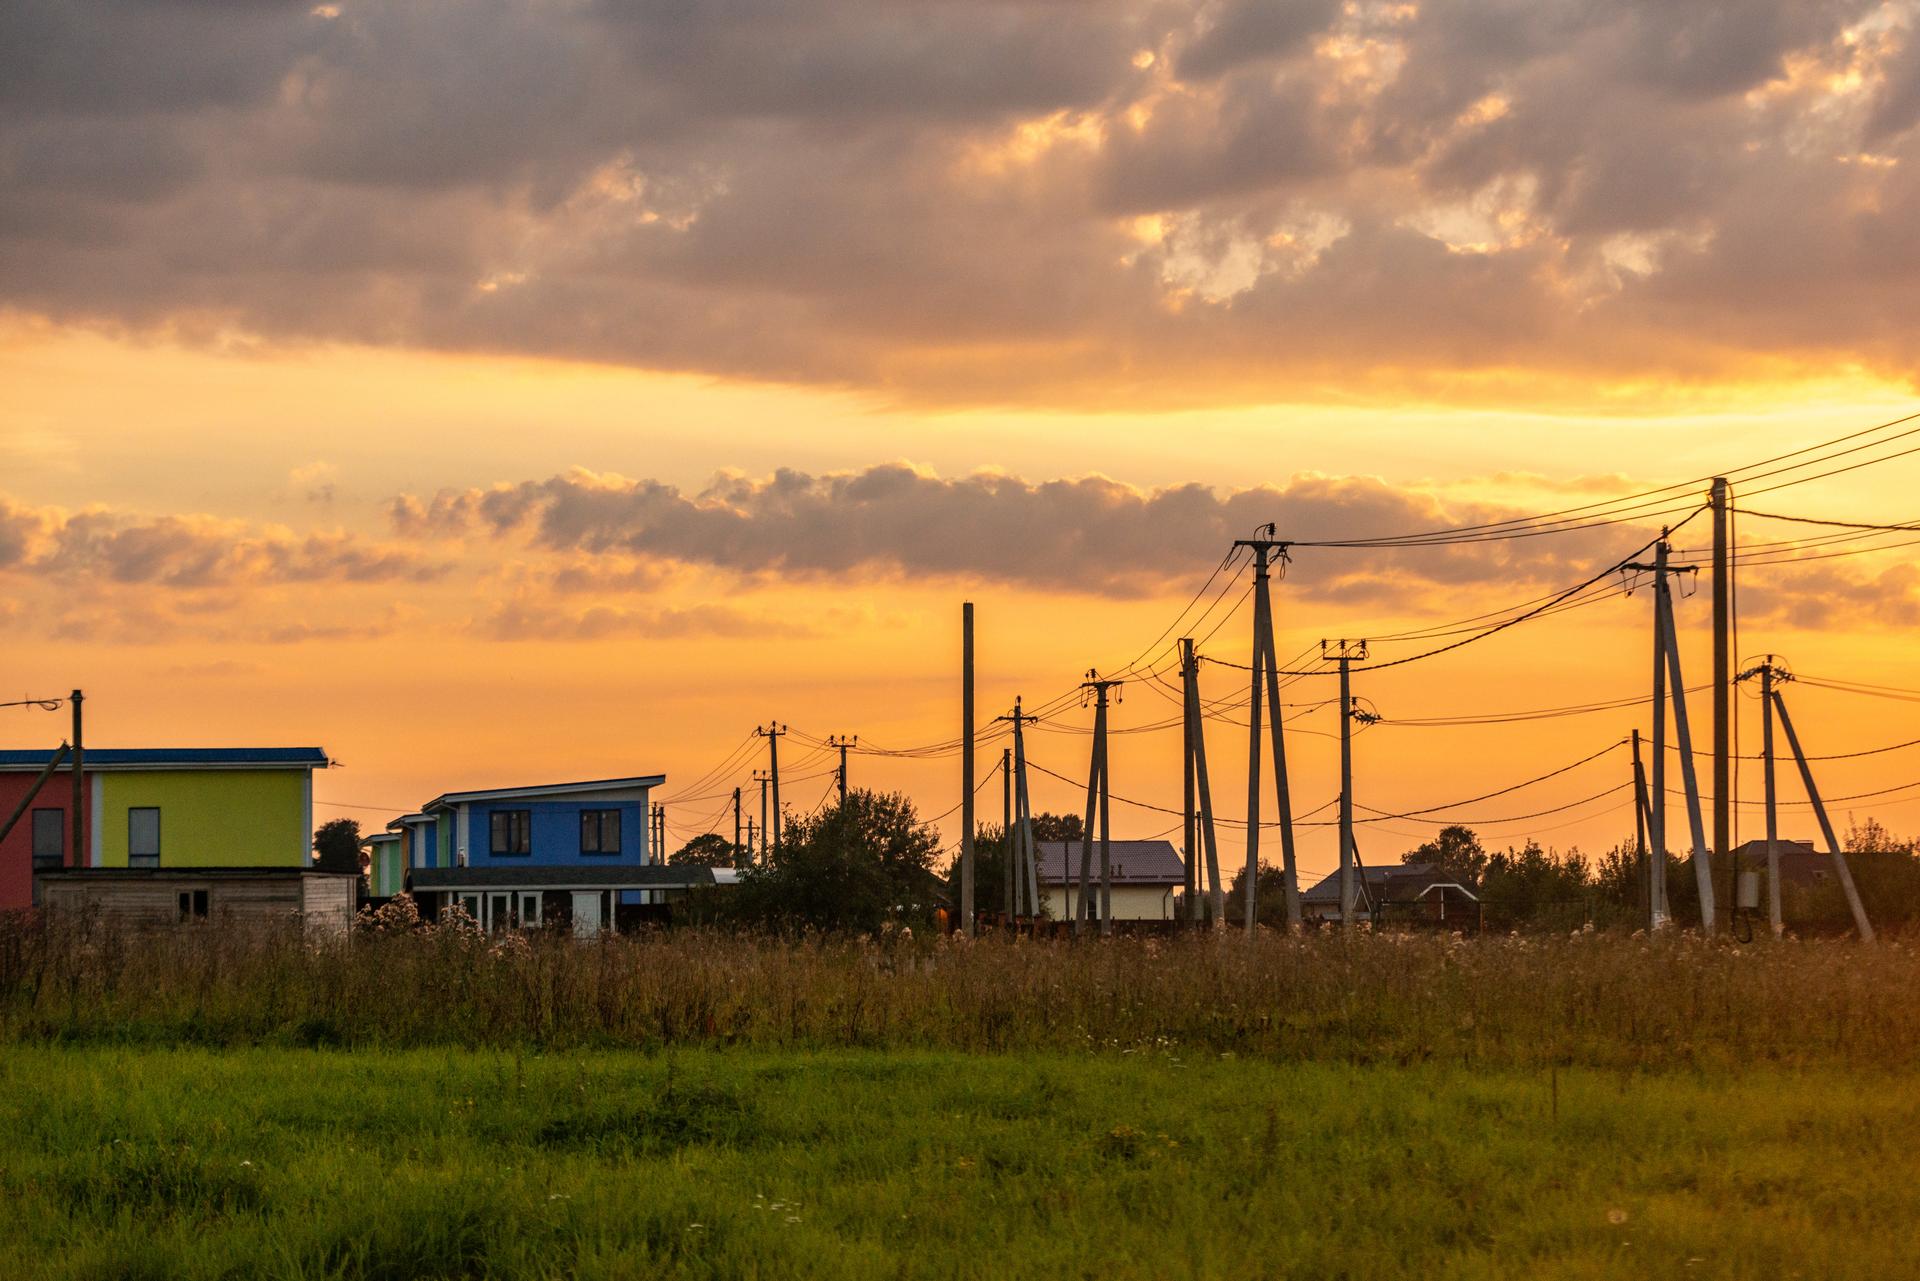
<point x="1403" y="893"/>
<point x="386" y="864"/>
<point x="1148" y="877"/>
<point x="161" y="808"/>
<point x="170" y="896"/>
<point x="518" y="857"/>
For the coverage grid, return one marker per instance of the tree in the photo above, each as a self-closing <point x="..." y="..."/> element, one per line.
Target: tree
<point x="1270" y="901"/>
<point x="336" y="846"/>
<point x="1456" y="851"/>
<point x="1058" y="827"/>
<point x="709" y="849"/>
<point x="855" y="866"/>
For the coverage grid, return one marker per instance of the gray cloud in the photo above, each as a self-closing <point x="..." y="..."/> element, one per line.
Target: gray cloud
<point x="192" y="552"/>
<point x="1088" y="534"/>
<point x="944" y="201"/>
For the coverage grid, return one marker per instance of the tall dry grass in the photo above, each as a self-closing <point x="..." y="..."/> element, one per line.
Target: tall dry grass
<point x="1597" y="999"/>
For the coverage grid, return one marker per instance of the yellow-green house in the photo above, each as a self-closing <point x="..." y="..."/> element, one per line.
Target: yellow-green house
<point x="203" y="807"/>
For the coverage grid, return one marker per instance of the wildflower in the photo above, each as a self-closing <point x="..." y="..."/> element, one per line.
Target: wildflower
<point x="1616" y="1216"/>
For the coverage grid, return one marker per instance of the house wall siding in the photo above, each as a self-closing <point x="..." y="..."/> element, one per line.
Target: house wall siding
<point x="556" y="833"/>
<point x="16" y="852"/>
<point x="209" y="818"/>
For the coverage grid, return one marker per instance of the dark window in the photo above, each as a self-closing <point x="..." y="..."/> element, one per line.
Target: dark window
<point x="193" y="905"/>
<point x="599" y="831"/>
<point x="49" y="837"/>
<point x="512" y="832"/>
<point x="143" y="836"/>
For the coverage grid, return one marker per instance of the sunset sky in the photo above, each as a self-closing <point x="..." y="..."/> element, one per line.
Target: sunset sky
<point x="516" y="392"/>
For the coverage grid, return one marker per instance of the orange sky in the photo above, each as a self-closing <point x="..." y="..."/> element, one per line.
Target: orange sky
<point x="553" y="391"/>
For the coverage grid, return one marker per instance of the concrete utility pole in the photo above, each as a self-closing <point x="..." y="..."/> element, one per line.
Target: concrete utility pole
<point x="1189" y="847"/>
<point x="79" y="783"/>
<point x="1642" y="816"/>
<point x="1099" y="805"/>
<point x="1021" y="854"/>
<point x="1345" y="653"/>
<point x="1766" y="671"/>
<point x="1265" y="667"/>
<point x="1667" y="666"/>
<point x="1198" y="785"/>
<point x="966" y="769"/>
<point x="1006" y="829"/>
<point x="842" y="742"/>
<point x="736" y="827"/>
<point x="772" y="731"/>
<point x="1722" y="674"/>
<point x="762" y="777"/>
<point x="1840" y="867"/>
<point x="1657" y="913"/>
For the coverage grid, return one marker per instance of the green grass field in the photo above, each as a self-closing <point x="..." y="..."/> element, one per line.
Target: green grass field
<point x="153" y="1162"/>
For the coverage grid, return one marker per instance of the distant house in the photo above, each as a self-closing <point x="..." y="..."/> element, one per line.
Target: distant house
<point x="153" y="810"/>
<point x="553" y="853"/>
<point x="1147" y="877"/>
<point x="386" y="864"/>
<point x="1800" y="863"/>
<point x="1418" y="892"/>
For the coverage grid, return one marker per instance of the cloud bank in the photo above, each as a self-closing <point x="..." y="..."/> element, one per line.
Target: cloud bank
<point x="1039" y="200"/>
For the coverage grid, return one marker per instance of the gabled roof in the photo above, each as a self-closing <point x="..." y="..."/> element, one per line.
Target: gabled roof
<point x="134" y="758"/>
<point x="1387" y="875"/>
<point x="543" y="789"/>
<point x="1134" y="862"/>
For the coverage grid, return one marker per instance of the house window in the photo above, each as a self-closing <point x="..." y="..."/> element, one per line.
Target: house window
<point x="599" y="831"/>
<point x="143" y="836"/>
<point x="512" y="832"/>
<point x="193" y="905"/>
<point x="49" y="837"/>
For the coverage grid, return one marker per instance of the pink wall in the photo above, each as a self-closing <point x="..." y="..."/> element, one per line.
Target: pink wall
<point x="16" y="852"/>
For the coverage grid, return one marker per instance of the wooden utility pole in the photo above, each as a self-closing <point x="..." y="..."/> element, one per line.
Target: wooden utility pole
<point x="1099" y="806"/>
<point x="79" y="783"/>
<point x="736" y="827"/>
<point x="966" y="769"/>
<point x="1345" y="653"/>
<point x="1722" y="674"/>
<point x="1841" y="870"/>
<point x="772" y="731"/>
<point x="1189" y="846"/>
<point x="1265" y="670"/>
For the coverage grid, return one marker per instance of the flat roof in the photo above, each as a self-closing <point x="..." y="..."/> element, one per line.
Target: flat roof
<point x="131" y="758"/>
<point x="648" y="876"/>
<point x="181" y="873"/>
<point x="544" y="789"/>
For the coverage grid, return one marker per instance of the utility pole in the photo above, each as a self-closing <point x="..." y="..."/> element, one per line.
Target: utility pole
<point x="772" y="731"/>
<point x="1198" y="785"/>
<point x="749" y="840"/>
<point x="79" y="784"/>
<point x="966" y="769"/>
<point x="1265" y="667"/>
<point x="842" y="742"/>
<point x="1767" y="673"/>
<point x="1722" y="674"/>
<point x="1344" y="653"/>
<point x="1006" y="828"/>
<point x="1189" y="846"/>
<point x="1641" y="815"/>
<point x="763" y="777"/>
<point x="1099" y="805"/>
<point x="1021" y="854"/>
<point x="1667" y="669"/>
<point x="736" y="827"/>
<point x="1844" y="873"/>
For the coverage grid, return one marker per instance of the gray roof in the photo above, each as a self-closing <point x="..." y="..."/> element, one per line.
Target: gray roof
<point x="656" y="876"/>
<point x="1327" y="890"/>
<point x="1134" y="862"/>
<point x="537" y="790"/>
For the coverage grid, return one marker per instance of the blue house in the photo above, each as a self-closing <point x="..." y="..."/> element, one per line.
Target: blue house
<point x="517" y="857"/>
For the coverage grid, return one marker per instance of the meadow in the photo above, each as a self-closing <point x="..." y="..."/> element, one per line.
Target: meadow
<point x="210" y="1103"/>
